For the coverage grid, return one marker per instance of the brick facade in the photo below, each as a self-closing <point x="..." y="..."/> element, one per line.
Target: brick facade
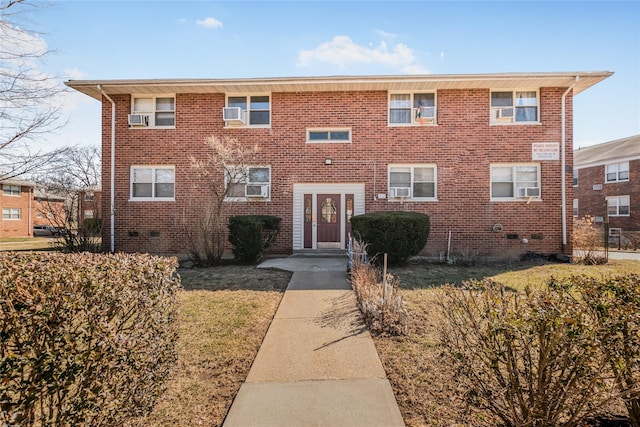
<point x="462" y="145"/>
<point x="22" y="226"/>
<point x="593" y="189"/>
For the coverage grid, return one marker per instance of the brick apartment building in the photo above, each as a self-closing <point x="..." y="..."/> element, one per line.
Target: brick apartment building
<point x="90" y="204"/>
<point x="609" y="173"/>
<point x="23" y="206"/>
<point x="485" y="155"/>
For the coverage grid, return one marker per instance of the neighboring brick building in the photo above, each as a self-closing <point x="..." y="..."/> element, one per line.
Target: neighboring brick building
<point x="90" y="204"/>
<point x="609" y="172"/>
<point x="23" y="206"/>
<point x="481" y="154"/>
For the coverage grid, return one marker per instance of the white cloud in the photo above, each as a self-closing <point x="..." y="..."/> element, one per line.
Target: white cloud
<point x="441" y="55"/>
<point x="182" y="20"/>
<point x="209" y="22"/>
<point x="342" y="51"/>
<point x="74" y="73"/>
<point x="386" y="34"/>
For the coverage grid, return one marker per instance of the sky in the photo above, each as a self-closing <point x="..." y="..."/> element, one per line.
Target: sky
<point x="97" y="40"/>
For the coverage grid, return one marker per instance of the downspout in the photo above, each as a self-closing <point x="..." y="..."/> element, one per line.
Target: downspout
<point x="564" y="166"/>
<point x="112" y="207"/>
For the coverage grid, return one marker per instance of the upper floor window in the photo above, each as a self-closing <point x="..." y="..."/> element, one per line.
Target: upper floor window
<point x="618" y="206"/>
<point x="10" y="190"/>
<point x="153" y="111"/>
<point x="248" y="182"/>
<point x="515" y="181"/>
<point x="412" y="108"/>
<point x="617" y="172"/>
<point x="328" y="135"/>
<point x="575" y="177"/>
<point x="412" y="182"/>
<point x="514" y="106"/>
<point x="252" y="110"/>
<point x="11" y="213"/>
<point x="88" y="197"/>
<point x="152" y="182"/>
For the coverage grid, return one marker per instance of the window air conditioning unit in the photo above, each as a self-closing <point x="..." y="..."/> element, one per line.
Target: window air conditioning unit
<point x="138" y="120"/>
<point x="255" y="190"/>
<point x="234" y="115"/>
<point x="400" y="192"/>
<point x="528" y="192"/>
<point x="505" y="113"/>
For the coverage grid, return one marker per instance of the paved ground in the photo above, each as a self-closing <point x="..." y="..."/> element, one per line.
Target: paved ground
<point x="317" y="365"/>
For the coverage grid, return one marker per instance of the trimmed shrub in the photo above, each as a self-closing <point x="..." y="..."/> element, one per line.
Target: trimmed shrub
<point x="85" y="339"/>
<point x="398" y="234"/>
<point x="251" y="235"/>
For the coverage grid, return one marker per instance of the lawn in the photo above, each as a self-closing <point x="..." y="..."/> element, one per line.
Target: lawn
<point x="225" y="313"/>
<point x="426" y="391"/>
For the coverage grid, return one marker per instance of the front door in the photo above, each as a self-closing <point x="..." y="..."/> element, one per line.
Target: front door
<point x="328" y="221"/>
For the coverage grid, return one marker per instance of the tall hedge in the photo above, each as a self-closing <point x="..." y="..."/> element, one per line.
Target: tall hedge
<point x="251" y="235"/>
<point x="398" y="234"/>
<point x="85" y="339"/>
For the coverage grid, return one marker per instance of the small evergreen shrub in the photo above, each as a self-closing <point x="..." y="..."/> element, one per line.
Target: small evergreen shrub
<point x="85" y="339"/>
<point x="251" y="235"/>
<point x="398" y="234"/>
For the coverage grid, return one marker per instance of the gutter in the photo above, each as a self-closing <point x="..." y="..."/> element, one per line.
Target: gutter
<point x="564" y="165"/>
<point x="112" y="207"/>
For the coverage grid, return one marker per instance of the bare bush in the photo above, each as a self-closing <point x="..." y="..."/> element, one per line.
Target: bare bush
<point x="381" y="306"/>
<point x="530" y="359"/>
<point x="588" y="241"/>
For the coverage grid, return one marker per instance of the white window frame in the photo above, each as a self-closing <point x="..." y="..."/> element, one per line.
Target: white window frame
<point x="9" y="214"/>
<point x="576" y="177"/>
<point x="249" y="109"/>
<point x="413" y="120"/>
<point x="329" y="139"/>
<point x="11" y="190"/>
<point x="495" y="112"/>
<point x="89" y="197"/>
<point x="410" y="168"/>
<point x="575" y="208"/>
<point x="618" y="202"/>
<point x="153" y="183"/>
<point x="515" y="182"/>
<point x="243" y="178"/>
<point x="615" y="168"/>
<point x="153" y="111"/>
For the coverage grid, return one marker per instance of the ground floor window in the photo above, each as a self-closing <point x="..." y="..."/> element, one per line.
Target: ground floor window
<point x="417" y="182"/>
<point x="152" y="183"/>
<point x="515" y="181"/>
<point x="618" y="206"/>
<point x="11" y="213"/>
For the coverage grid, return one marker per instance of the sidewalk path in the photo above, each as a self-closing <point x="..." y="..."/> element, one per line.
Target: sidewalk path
<point x="317" y="365"/>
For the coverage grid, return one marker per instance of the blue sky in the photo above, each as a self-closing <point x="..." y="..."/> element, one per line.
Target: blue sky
<point x="227" y="39"/>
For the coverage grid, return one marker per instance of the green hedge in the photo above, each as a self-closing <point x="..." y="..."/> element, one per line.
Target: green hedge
<point x="398" y="234"/>
<point x="251" y="235"/>
<point x="85" y="339"/>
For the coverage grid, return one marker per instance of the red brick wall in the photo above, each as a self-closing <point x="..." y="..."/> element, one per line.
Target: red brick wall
<point x="21" y="227"/>
<point x="591" y="202"/>
<point x="462" y="145"/>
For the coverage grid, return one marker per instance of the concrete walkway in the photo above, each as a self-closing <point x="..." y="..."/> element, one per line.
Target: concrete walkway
<point x="317" y="365"/>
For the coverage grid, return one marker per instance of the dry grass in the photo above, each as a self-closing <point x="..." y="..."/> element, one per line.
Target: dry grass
<point x="225" y="313"/>
<point x="426" y="391"/>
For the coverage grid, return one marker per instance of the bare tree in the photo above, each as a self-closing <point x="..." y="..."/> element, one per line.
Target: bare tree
<point x="30" y="100"/>
<point x="77" y="174"/>
<point x="225" y="169"/>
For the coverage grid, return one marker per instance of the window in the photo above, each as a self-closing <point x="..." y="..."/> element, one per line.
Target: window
<point x="159" y="110"/>
<point x="329" y="135"/>
<point x="618" y="206"/>
<point x="88" y="213"/>
<point x="617" y="172"/>
<point x="514" y="106"/>
<point x="412" y="181"/>
<point x="575" y="177"/>
<point x="412" y="108"/>
<point x="510" y="182"/>
<point x="575" y="208"/>
<point x="10" y="190"/>
<point x="152" y="182"/>
<point x="11" y="213"/>
<point x="248" y="182"/>
<point x="258" y="108"/>
<point x="88" y="197"/>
